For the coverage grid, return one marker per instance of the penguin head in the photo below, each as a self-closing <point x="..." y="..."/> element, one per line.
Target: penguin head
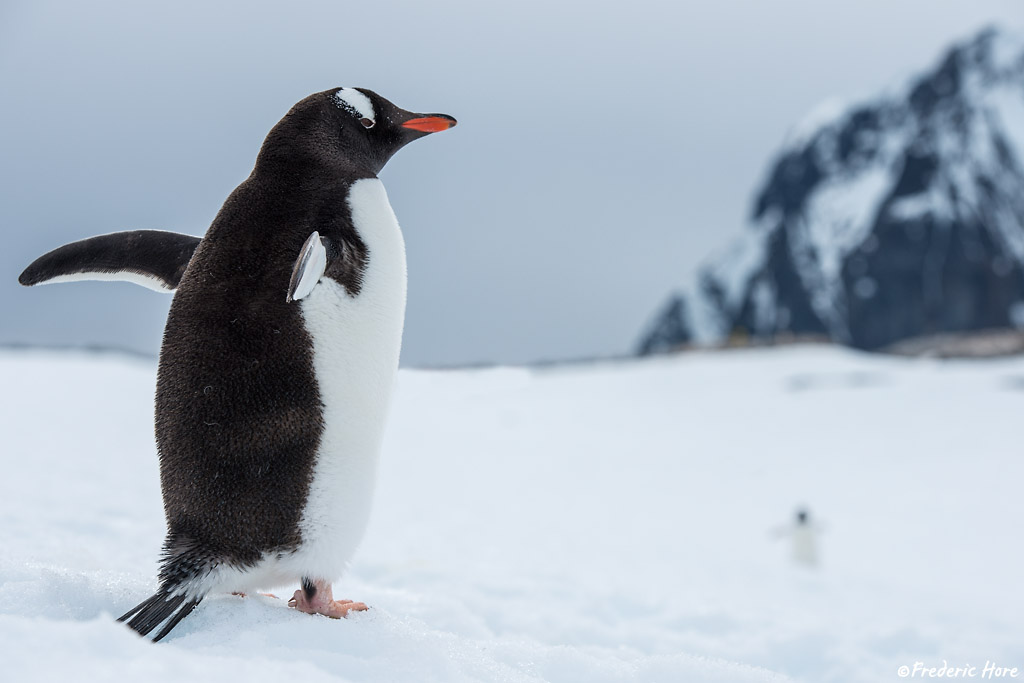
<point x="354" y="127"/>
<point x="381" y="128"/>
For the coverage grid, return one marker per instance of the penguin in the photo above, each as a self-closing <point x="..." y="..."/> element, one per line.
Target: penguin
<point x="803" y="534"/>
<point x="278" y="358"/>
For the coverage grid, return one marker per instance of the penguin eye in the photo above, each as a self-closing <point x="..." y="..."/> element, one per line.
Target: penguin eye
<point x="367" y="123"/>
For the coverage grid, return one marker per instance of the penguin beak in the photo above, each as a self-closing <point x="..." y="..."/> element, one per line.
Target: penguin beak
<point x="430" y="123"/>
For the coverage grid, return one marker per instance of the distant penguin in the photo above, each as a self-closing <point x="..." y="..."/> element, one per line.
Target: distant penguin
<point x="278" y="357"/>
<point x="803" y="535"/>
<point x="805" y="542"/>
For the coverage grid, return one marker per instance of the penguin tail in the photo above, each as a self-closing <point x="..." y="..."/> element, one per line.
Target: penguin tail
<point x="165" y="605"/>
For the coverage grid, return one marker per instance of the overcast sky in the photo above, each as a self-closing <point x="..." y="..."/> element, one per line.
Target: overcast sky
<point x="603" y="148"/>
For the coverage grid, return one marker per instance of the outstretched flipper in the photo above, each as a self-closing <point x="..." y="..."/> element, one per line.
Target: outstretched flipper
<point x="309" y="268"/>
<point x="152" y="258"/>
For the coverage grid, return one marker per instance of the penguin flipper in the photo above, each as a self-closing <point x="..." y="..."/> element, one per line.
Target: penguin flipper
<point x="151" y="612"/>
<point x="309" y="268"/>
<point x="154" y="259"/>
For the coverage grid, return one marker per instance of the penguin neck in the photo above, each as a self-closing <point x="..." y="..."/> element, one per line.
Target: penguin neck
<point x="302" y="147"/>
<point x="292" y="168"/>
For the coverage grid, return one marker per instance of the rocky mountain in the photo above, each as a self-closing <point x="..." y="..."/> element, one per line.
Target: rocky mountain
<point x="897" y="218"/>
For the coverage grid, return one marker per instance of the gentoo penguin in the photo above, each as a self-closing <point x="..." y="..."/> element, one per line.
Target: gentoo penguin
<point x="803" y="535"/>
<point x="278" y="357"/>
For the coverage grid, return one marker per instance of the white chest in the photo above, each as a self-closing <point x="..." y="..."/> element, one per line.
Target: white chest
<point x="356" y="345"/>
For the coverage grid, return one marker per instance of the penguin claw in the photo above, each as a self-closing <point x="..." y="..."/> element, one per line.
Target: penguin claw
<point x="322" y="602"/>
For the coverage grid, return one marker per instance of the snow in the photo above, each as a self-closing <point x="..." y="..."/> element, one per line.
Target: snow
<point x="736" y="267"/>
<point x="1007" y="51"/>
<point x="732" y="269"/>
<point x="1007" y="104"/>
<point x="838" y="218"/>
<point x="840" y="215"/>
<point x="827" y="113"/>
<point x="1004" y="108"/>
<point x="913" y="207"/>
<point x="612" y="522"/>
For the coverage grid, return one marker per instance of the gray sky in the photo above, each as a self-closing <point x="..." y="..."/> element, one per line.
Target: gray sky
<point x="603" y="148"/>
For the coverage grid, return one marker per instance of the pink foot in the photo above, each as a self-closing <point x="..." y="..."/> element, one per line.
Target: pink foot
<point x="317" y="598"/>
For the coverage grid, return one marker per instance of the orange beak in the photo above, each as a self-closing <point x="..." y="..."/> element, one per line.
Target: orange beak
<point x="430" y="124"/>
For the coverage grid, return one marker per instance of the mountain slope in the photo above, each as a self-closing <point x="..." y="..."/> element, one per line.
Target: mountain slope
<point x="897" y="218"/>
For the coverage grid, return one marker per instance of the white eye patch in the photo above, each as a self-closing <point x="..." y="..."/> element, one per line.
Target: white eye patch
<point x="357" y="103"/>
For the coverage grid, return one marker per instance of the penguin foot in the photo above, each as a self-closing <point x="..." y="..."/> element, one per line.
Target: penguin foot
<point x="317" y="598"/>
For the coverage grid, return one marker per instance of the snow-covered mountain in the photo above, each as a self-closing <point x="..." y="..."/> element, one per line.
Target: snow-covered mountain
<point x="900" y="217"/>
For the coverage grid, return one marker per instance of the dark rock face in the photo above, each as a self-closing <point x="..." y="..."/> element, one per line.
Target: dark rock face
<point x="669" y="331"/>
<point x="899" y="218"/>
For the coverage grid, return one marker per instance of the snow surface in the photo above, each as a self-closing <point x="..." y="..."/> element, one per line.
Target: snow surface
<point x="612" y="522"/>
